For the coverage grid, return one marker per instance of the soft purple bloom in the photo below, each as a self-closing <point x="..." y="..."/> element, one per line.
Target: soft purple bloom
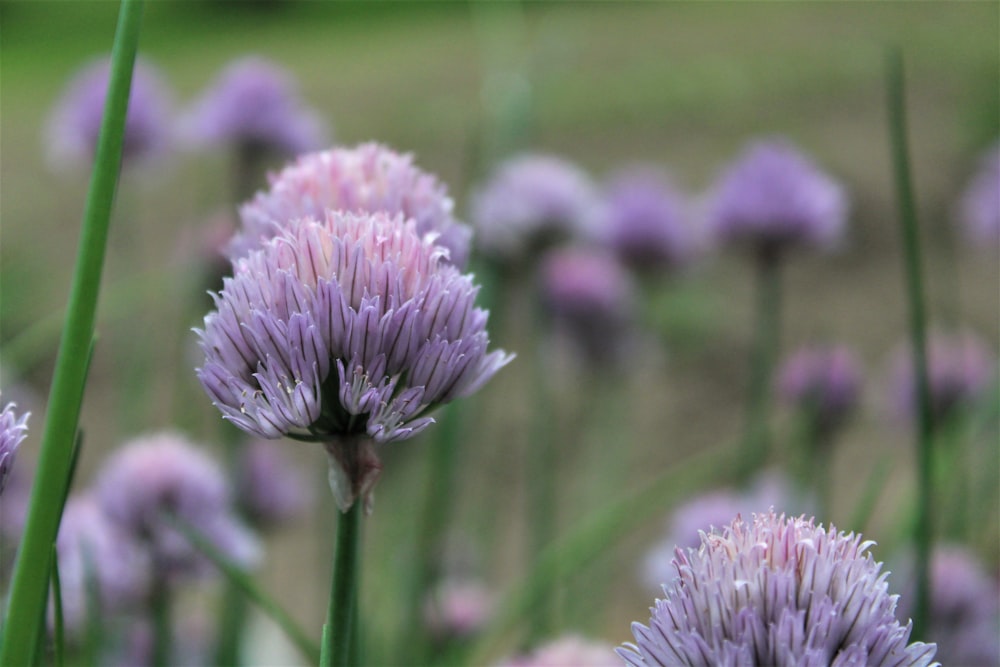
<point x="647" y="223"/>
<point x="773" y="196"/>
<point x="254" y="102"/>
<point x="569" y="650"/>
<point x="979" y="208"/>
<point x="776" y="591"/>
<point x="960" y="368"/>
<point x="96" y="554"/>
<point x="458" y="608"/>
<point x="823" y="381"/>
<point x="75" y="123"/>
<point x="348" y="329"/>
<point x="529" y="201"/>
<point x="592" y="296"/>
<point x="13" y="430"/>
<point x="269" y="489"/>
<point x="164" y="474"/>
<point x="366" y="179"/>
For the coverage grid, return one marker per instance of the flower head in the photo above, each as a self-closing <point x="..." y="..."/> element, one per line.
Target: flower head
<point x="75" y="123"/>
<point x="776" y="591"/>
<point x="254" y="102"/>
<point x="367" y="179"/>
<point x="529" y="201"/>
<point x="645" y="221"/>
<point x="13" y="430"/>
<point x="349" y="327"/>
<point x="568" y="650"/>
<point x="457" y="608"/>
<point x="979" y="207"/>
<point x="151" y="478"/>
<point x="773" y="196"/>
<point x="822" y="381"/>
<point x="269" y="490"/>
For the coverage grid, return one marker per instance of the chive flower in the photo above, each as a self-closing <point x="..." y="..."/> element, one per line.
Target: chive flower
<point x="349" y="331"/>
<point x="567" y="650"/>
<point x="774" y="197"/>
<point x="365" y="179"/>
<point x="13" y="430"/>
<point x="822" y="381"/>
<point x="269" y="489"/>
<point x="457" y="608"/>
<point x="979" y="206"/>
<point x="776" y="591"/>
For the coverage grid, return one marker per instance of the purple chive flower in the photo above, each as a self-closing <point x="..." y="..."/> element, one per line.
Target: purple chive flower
<point x="646" y="222"/>
<point x="162" y="474"/>
<point x="960" y="368"/>
<point x="592" y="296"/>
<point x="75" y="123"/>
<point x="776" y="591"/>
<point x="964" y="608"/>
<point x="95" y="554"/>
<point x="13" y="430"/>
<point x="254" y="102"/>
<point x="365" y="179"/>
<point x="566" y="651"/>
<point x="529" y="201"/>
<point x="774" y="197"/>
<point x="979" y="207"/>
<point x="824" y="382"/>
<point x="457" y="609"/>
<point x="347" y="331"/>
<point x="269" y="490"/>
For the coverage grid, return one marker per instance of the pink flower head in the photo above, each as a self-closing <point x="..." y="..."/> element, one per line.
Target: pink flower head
<point x="13" y="430"/>
<point x="979" y="208"/>
<point x="457" y="608"/>
<point x="823" y="381"/>
<point x="565" y="651"/>
<point x="269" y="489"/>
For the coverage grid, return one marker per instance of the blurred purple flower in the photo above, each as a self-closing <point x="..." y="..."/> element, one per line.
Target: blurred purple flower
<point x="457" y="609"/>
<point x="822" y="381"/>
<point x="646" y="222"/>
<point x="366" y="179"/>
<point x="529" y="201"/>
<point x="95" y="554"/>
<point x="979" y="207"/>
<point x="156" y="475"/>
<point x="590" y="295"/>
<point x="773" y="197"/>
<point x="345" y="331"/>
<point x="964" y="608"/>
<point x="13" y="430"/>
<point x="776" y="591"/>
<point x="75" y="123"/>
<point x="960" y="368"/>
<point x="269" y="489"/>
<point x="254" y="102"/>
<point x="565" y="651"/>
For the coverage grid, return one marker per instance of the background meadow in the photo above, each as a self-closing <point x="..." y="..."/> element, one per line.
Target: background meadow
<point x="605" y="85"/>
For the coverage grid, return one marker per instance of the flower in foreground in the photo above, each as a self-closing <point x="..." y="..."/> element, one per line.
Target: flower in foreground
<point x="13" y="430"/>
<point x="75" y="122"/>
<point x="776" y="591"/>
<point x="823" y="382"/>
<point x="349" y="331"/>
<point x="365" y="179"/>
<point x="979" y="207"/>
<point x="774" y="197"/>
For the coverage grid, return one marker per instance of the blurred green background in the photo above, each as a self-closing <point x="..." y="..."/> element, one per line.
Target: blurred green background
<point x="683" y="85"/>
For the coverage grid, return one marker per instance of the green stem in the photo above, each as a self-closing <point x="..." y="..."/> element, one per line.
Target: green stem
<point x="159" y="609"/>
<point x="59" y="635"/>
<point x="31" y="572"/>
<point x="915" y="292"/>
<point x="342" y="614"/>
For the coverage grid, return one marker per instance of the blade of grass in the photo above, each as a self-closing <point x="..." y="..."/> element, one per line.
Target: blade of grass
<point x="58" y="634"/>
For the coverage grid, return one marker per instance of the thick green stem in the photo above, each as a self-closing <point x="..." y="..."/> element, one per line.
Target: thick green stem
<point x="159" y="610"/>
<point x="31" y="573"/>
<point x="913" y="278"/>
<point x="340" y="633"/>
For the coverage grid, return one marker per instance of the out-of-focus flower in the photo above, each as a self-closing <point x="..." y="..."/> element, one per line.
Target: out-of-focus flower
<point x="13" y="430"/>
<point x="269" y="489"/>
<point x="822" y="381"/>
<point x="979" y="207"/>
<point x="713" y="511"/>
<point x="776" y="591"/>
<point x="346" y="331"/>
<point x="367" y="179"/>
<point x="565" y="651"/>
<point x="530" y="201"/>
<point x="254" y="102"/>
<point x="75" y="123"/>
<point x="96" y="556"/>
<point x="645" y="220"/>
<point x="457" y="609"/>
<point x="774" y="197"/>
<point x="964" y="608"/>
<point x="591" y="296"/>
<point x="155" y="476"/>
<point x="960" y="367"/>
